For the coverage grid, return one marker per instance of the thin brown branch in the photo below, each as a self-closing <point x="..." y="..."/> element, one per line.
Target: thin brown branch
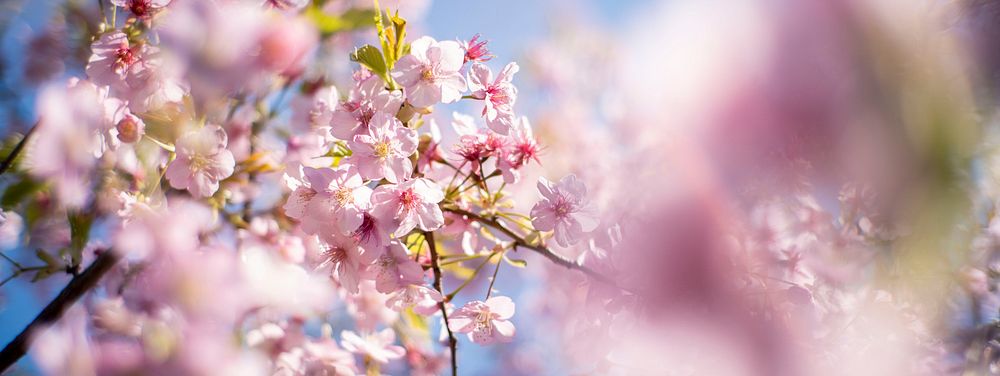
<point x="452" y="343"/>
<point x="520" y="242"/>
<point x="58" y="306"/>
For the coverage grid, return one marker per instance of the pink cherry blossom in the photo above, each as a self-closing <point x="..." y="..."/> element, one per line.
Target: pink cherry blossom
<point x="486" y="322"/>
<point x="329" y="200"/>
<point x="378" y="346"/>
<point x="349" y="261"/>
<point x="130" y="128"/>
<point x="395" y="269"/>
<point x="475" y="50"/>
<point x="564" y="209"/>
<point x="430" y="73"/>
<point x="202" y="161"/>
<point x="411" y="204"/>
<point x="67" y="139"/>
<point x="498" y="95"/>
<point x="11" y="225"/>
<point x="384" y="151"/>
<point x="141" y="8"/>
<point x="424" y="300"/>
<point x="520" y="149"/>
<point x="354" y="116"/>
<point x="113" y="58"/>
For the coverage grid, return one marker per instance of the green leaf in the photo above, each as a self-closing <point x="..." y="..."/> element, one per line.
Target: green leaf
<point x="515" y="262"/>
<point x="18" y="192"/>
<point x="395" y="38"/>
<point x="8" y="147"/>
<point x="329" y="24"/>
<point x="370" y="57"/>
<point x="79" y="226"/>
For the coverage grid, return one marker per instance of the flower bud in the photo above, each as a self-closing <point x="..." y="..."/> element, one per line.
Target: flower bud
<point x="130" y="129"/>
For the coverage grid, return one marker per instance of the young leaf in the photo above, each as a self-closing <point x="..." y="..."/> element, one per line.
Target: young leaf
<point x="18" y="192"/>
<point x="79" y="226"/>
<point x="515" y="262"/>
<point x="329" y="24"/>
<point x="370" y="57"/>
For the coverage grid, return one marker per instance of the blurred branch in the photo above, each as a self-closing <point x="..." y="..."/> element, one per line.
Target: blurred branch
<point x="435" y="265"/>
<point x="58" y="306"/>
<point x="9" y="161"/>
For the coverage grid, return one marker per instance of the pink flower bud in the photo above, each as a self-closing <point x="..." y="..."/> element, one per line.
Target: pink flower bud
<point x="130" y="129"/>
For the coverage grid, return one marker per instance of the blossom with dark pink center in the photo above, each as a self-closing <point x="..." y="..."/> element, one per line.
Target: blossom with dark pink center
<point x="475" y="50"/>
<point x="141" y="8"/>
<point x="394" y="269"/>
<point x="353" y="116"/>
<point x="112" y="58"/>
<point x="329" y="199"/>
<point x="411" y="204"/>
<point x="498" y="95"/>
<point x="348" y="260"/>
<point x="521" y="148"/>
<point x="564" y="210"/>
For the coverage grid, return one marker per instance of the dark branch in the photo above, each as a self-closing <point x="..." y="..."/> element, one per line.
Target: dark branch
<point x="436" y="266"/>
<point x="9" y="161"/>
<point x="58" y="306"/>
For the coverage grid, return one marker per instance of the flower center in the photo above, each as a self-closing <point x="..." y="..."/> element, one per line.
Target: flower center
<point x="336" y="255"/>
<point x="562" y="207"/>
<point x="382" y="149"/>
<point x="344" y="196"/>
<point x="139" y="7"/>
<point x="199" y="162"/>
<point x="124" y="57"/>
<point x="428" y="75"/>
<point x="483" y="322"/>
<point x="408" y="199"/>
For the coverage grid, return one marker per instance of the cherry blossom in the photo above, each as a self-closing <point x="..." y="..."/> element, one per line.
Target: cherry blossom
<point x="475" y="50"/>
<point x="355" y="115"/>
<point x="384" y="151"/>
<point x="142" y="8"/>
<point x="113" y="59"/>
<point x="424" y="300"/>
<point x="564" y="209"/>
<point x="329" y="199"/>
<point x="202" y="161"/>
<point x="498" y="95"/>
<point x="411" y="204"/>
<point x="430" y="73"/>
<point x="486" y="322"/>
<point x="395" y="270"/>
<point x="377" y="346"/>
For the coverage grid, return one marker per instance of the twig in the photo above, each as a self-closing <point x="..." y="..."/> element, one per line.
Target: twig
<point x="9" y="161"/>
<point x="58" y="306"/>
<point x="452" y="343"/>
<point x="489" y="290"/>
<point x="520" y="242"/>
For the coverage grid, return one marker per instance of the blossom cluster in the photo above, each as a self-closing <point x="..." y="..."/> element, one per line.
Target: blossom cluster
<point x="248" y="191"/>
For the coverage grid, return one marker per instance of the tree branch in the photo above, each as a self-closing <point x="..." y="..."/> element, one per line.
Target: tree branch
<point x="520" y="242"/>
<point x="436" y="266"/>
<point x="58" y="306"/>
<point x="9" y="161"/>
